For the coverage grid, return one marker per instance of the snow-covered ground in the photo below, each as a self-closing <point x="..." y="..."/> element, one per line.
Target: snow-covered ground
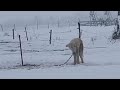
<point x="102" y="59"/>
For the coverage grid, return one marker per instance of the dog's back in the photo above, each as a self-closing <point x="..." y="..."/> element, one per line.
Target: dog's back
<point x="76" y="42"/>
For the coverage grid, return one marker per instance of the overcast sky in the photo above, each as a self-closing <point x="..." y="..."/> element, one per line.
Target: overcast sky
<point x="23" y="16"/>
<point x="4" y="15"/>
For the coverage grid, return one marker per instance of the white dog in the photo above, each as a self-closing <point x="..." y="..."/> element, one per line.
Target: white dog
<point x="76" y="46"/>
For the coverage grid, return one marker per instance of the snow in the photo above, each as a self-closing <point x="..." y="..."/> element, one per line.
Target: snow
<point x="101" y="56"/>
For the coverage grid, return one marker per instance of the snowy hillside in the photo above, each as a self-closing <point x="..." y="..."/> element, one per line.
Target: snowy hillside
<point x="100" y="55"/>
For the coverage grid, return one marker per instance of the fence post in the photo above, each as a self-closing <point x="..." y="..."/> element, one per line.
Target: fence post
<point x="21" y="50"/>
<point x="118" y="22"/>
<point x="26" y="33"/>
<point x="37" y="24"/>
<point x="1" y="27"/>
<point x="13" y="34"/>
<point x="50" y="36"/>
<point x="58" y="23"/>
<point x="48" y="25"/>
<point x="14" y="27"/>
<point x="68" y="22"/>
<point x="79" y="30"/>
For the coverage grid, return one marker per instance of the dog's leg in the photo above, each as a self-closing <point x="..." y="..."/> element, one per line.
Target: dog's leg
<point x="81" y="52"/>
<point x="74" y="54"/>
<point x="77" y="55"/>
<point x="81" y="56"/>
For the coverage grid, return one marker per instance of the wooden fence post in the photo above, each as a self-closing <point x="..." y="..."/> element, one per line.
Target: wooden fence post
<point x="79" y="30"/>
<point x="48" y="25"/>
<point x="50" y="36"/>
<point x="21" y="50"/>
<point x="1" y="27"/>
<point x="118" y="22"/>
<point x="14" y="27"/>
<point x="37" y="24"/>
<point x="26" y="33"/>
<point x="58" y="23"/>
<point x="13" y="34"/>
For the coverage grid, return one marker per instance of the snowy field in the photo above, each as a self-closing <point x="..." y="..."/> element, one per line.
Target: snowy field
<point x="102" y="57"/>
